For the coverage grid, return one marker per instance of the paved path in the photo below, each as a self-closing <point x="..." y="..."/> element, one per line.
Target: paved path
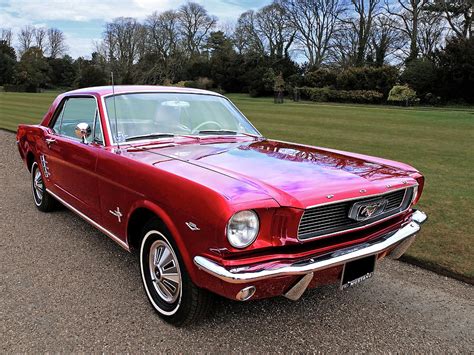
<point x="66" y="287"/>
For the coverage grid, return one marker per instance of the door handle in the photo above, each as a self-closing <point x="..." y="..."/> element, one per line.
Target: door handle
<point x="50" y="141"/>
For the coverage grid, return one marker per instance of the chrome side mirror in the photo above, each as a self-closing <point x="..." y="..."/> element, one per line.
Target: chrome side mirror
<point x="83" y="131"/>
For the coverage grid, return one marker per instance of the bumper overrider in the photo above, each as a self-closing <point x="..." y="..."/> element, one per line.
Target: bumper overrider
<point x="395" y="242"/>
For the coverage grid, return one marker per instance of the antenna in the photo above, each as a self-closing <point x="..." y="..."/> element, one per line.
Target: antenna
<point x="115" y="112"/>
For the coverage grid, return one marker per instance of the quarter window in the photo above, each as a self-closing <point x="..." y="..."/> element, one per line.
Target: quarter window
<point x="97" y="129"/>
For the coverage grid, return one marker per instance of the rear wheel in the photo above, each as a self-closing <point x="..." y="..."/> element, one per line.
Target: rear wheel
<point x="43" y="200"/>
<point x="167" y="284"/>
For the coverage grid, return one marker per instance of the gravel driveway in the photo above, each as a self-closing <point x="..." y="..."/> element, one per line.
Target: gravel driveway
<point x="66" y="287"/>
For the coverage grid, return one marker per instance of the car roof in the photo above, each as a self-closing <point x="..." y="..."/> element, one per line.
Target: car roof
<point x="122" y="89"/>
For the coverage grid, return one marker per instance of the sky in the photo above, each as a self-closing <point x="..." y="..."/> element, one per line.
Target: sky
<point x="82" y="21"/>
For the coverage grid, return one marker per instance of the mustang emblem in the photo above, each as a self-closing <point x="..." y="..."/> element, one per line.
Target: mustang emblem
<point x="361" y="211"/>
<point x="369" y="210"/>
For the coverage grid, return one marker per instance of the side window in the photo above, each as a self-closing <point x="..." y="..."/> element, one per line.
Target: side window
<point x="75" y="110"/>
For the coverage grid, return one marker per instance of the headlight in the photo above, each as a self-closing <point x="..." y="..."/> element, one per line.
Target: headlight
<point x="242" y="229"/>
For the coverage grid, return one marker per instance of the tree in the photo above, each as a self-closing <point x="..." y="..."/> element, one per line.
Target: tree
<point x="56" y="43"/>
<point x="32" y="71"/>
<point x="365" y="11"/>
<point x="63" y="71"/>
<point x="458" y="14"/>
<point x="430" y="34"/>
<point x="275" y="29"/>
<point x="25" y="39"/>
<point x="163" y="33"/>
<point x="315" y="22"/>
<point x="247" y="36"/>
<point x="385" y="41"/>
<point x="162" y="59"/>
<point x="455" y="67"/>
<point x="222" y="58"/>
<point x="420" y="74"/>
<point x="89" y="74"/>
<point x="6" y="35"/>
<point x="409" y="14"/>
<point x="7" y="62"/>
<point x="39" y="38"/>
<point x="124" y="43"/>
<point x="195" y="24"/>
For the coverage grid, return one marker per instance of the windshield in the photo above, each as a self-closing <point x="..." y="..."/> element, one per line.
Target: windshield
<point x="159" y="115"/>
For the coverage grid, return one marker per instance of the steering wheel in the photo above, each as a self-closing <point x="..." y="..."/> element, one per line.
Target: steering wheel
<point x="199" y="126"/>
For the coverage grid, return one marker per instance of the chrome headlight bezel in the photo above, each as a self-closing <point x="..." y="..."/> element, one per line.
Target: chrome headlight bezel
<point x="245" y="235"/>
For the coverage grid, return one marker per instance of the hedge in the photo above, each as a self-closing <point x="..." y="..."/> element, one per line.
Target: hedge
<point x="379" y="79"/>
<point x="347" y="96"/>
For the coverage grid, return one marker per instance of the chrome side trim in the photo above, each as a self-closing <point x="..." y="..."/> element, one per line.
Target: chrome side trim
<point x="95" y="224"/>
<point x="338" y="257"/>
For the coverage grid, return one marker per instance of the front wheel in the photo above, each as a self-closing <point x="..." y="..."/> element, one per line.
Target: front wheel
<point x="167" y="284"/>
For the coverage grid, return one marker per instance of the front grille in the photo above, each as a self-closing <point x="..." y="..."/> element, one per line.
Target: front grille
<point x="334" y="217"/>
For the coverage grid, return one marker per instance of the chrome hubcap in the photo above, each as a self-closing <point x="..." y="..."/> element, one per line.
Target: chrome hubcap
<point x="38" y="186"/>
<point x="164" y="271"/>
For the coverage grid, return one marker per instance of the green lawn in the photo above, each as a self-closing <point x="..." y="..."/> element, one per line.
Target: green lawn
<point x="439" y="142"/>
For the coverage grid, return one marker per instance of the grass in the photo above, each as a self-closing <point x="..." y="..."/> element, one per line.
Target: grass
<point x="439" y="142"/>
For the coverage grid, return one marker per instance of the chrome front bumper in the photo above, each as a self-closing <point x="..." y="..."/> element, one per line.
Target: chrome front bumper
<point x="399" y="240"/>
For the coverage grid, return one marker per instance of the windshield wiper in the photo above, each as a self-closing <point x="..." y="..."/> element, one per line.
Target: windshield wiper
<point x="218" y="131"/>
<point x="149" y="135"/>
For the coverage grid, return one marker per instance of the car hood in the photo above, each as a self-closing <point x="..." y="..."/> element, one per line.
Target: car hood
<point x="294" y="175"/>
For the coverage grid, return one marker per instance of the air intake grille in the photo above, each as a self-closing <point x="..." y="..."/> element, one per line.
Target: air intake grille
<point x="334" y="217"/>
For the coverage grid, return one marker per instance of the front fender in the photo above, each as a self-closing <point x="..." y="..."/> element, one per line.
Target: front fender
<point x="188" y="242"/>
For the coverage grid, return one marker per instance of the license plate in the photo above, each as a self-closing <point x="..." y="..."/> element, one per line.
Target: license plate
<point x="354" y="272"/>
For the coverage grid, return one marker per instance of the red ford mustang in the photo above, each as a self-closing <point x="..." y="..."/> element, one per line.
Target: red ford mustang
<point x="212" y="206"/>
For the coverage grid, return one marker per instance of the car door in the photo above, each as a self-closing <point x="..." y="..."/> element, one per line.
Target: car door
<point x="72" y="162"/>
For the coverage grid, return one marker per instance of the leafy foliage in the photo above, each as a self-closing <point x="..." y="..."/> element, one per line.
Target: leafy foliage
<point x="7" y="62"/>
<point x="346" y="96"/>
<point x="420" y="74"/>
<point x="456" y="70"/>
<point x="32" y="70"/>
<point x="402" y="94"/>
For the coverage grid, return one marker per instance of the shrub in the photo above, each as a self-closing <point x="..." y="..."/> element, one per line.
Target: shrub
<point x="346" y="96"/>
<point x="200" y="83"/>
<point x="419" y="74"/>
<point x="322" y="77"/>
<point x="402" y="94"/>
<point x="432" y="99"/>
<point x="379" y="79"/>
<point x="180" y="84"/>
<point x="14" y="88"/>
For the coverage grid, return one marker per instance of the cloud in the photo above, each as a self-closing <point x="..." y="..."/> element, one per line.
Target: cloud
<point x="92" y="14"/>
<point x="85" y="10"/>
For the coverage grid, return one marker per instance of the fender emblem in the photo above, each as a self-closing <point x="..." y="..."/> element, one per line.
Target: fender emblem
<point x="192" y="226"/>
<point x="117" y="214"/>
<point x="44" y="164"/>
